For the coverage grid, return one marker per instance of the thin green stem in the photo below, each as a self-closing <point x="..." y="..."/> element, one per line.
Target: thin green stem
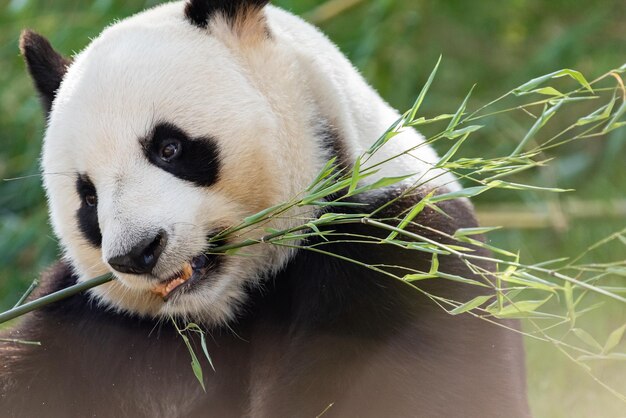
<point x="461" y="255"/>
<point x="54" y="297"/>
<point x="26" y="294"/>
<point x="20" y="310"/>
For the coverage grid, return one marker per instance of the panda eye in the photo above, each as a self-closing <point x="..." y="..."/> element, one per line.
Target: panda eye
<point x="170" y="150"/>
<point x="91" y="200"/>
<point x="196" y="159"/>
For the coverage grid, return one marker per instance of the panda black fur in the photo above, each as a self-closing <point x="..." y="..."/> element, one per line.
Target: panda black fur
<point x="302" y="334"/>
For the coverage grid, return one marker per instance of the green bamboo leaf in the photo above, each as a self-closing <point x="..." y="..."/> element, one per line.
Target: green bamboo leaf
<point x="517" y="278"/>
<point x="195" y="364"/>
<point x="335" y="187"/>
<point x="205" y="349"/>
<point x="548" y="91"/>
<point x="590" y="309"/>
<point x="508" y="295"/>
<point x="252" y="219"/>
<point x="462" y="132"/>
<point x="434" y="265"/>
<point x="545" y="116"/>
<point x="614" y="338"/>
<point x="482" y="244"/>
<point x="535" y="82"/>
<point x="517" y="186"/>
<point x="379" y="184"/>
<point x="317" y="231"/>
<point x="467" y="193"/>
<point x="569" y="99"/>
<point x="415" y="210"/>
<point x="585" y="337"/>
<point x="332" y="217"/>
<point x="328" y="169"/>
<point x="335" y="176"/>
<point x="602" y="113"/>
<point x="417" y="276"/>
<point x="197" y="371"/>
<point x="500" y="288"/>
<point x="520" y="309"/>
<point x="472" y="304"/>
<point x="464" y="232"/>
<point x="355" y="175"/>
<point x="453" y="149"/>
<point x="619" y="271"/>
<point x="423" y="121"/>
<point x="422" y="94"/>
<point x="613" y="123"/>
<point x="460" y="111"/>
<point x="437" y="209"/>
<point x="386" y="137"/>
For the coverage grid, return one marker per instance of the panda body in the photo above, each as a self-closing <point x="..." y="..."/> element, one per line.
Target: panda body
<point x="258" y="101"/>
<point x="322" y="335"/>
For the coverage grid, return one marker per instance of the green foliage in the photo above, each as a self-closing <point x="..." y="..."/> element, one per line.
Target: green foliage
<point x="187" y="334"/>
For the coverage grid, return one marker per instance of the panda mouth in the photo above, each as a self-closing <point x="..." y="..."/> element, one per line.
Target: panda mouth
<point x="192" y="272"/>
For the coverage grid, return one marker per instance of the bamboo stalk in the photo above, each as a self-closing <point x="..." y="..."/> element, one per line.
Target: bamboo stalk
<point x="542" y="216"/>
<point x="53" y="297"/>
<point x="20" y="310"/>
<point x="503" y="215"/>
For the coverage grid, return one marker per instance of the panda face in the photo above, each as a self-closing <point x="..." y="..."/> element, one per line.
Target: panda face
<point x="161" y="135"/>
<point x="181" y="121"/>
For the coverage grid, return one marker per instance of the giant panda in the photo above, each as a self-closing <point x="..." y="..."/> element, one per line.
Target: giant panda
<point x="179" y="122"/>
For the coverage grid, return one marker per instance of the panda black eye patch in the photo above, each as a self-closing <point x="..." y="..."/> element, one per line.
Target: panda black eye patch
<point x="191" y="159"/>
<point x="87" y="214"/>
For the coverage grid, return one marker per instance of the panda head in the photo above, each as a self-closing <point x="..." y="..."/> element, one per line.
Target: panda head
<point x="169" y="127"/>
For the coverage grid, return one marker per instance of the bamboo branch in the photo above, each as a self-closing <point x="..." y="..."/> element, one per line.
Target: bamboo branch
<point x="20" y="310"/>
<point x="54" y="297"/>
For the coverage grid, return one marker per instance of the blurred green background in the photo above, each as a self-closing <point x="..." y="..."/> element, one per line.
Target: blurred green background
<point x="496" y="44"/>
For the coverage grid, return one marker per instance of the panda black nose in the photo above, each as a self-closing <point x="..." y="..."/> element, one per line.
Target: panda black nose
<point x="142" y="257"/>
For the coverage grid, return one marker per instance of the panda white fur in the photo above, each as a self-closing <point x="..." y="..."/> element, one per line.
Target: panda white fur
<point x="179" y="122"/>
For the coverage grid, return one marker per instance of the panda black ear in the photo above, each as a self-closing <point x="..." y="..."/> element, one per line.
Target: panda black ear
<point x="236" y="12"/>
<point x="46" y="66"/>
